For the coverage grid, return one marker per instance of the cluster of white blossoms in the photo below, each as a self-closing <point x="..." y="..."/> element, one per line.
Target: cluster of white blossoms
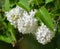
<point x="44" y="35"/>
<point x="14" y="14"/>
<point x="24" y="21"/>
<point x="27" y="24"/>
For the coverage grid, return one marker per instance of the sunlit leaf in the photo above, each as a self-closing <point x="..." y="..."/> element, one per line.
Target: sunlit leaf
<point x="11" y="30"/>
<point x="7" y="5"/>
<point x="24" y="4"/>
<point x="43" y="15"/>
<point x="5" y="39"/>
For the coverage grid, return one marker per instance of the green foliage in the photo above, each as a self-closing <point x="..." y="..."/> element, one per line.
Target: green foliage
<point x="6" y="30"/>
<point x="36" y="3"/>
<point x="7" y="33"/>
<point x="24" y="4"/>
<point x="7" y="5"/>
<point x="43" y="14"/>
<point x="5" y="39"/>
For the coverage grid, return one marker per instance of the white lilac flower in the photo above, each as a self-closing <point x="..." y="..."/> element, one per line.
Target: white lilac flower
<point x="14" y="14"/>
<point x="32" y="12"/>
<point x="27" y="24"/>
<point x="44" y="35"/>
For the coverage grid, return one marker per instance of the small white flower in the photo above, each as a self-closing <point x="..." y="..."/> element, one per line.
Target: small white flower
<point x="32" y="12"/>
<point x="44" y="35"/>
<point x="27" y="24"/>
<point x="14" y="14"/>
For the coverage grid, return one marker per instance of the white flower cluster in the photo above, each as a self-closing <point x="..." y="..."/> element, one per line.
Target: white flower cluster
<point x="14" y="14"/>
<point x="25" y="22"/>
<point x="44" y="35"/>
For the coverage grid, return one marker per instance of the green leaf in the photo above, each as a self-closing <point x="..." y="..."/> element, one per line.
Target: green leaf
<point x="24" y="4"/>
<point x="9" y="35"/>
<point x="5" y="39"/>
<point x="7" y="5"/>
<point x="43" y="15"/>
<point x="11" y="30"/>
<point x="13" y="3"/>
<point x="47" y="1"/>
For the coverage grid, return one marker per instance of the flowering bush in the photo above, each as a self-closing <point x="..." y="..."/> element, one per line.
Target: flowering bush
<point x="37" y="21"/>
